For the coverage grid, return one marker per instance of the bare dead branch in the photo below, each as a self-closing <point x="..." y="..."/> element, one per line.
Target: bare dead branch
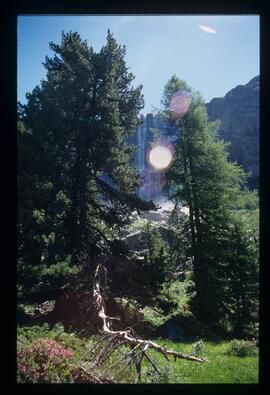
<point x="98" y="367"/>
<point x="151" y="362"/>
<point x="126" y="335"/>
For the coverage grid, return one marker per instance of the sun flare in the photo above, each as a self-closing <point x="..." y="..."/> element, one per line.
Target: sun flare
<point x="207" y="29"/>
<point x="160" y="157"/>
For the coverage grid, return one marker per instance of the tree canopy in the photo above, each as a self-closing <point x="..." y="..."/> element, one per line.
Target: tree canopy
<point x="212" y="187"/>
<point x="77" y="185"/>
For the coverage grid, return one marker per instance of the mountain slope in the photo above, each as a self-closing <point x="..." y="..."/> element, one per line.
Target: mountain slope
<point x="238" y="112"/>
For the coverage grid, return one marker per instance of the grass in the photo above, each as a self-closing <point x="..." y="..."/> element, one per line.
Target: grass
<point x="221" y="368"/>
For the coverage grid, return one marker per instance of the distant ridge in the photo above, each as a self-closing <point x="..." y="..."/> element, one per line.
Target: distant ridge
<point x="238" y="112"/>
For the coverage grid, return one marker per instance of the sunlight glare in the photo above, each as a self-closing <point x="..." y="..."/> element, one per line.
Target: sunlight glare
<point x="207" y="29"/>
<point x="160" y="157"/>
<point x="180" y="103"/>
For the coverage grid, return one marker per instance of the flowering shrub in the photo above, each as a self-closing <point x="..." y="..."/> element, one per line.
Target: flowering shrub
<point x="44" y="361"/>
<point x="26" y="336"/>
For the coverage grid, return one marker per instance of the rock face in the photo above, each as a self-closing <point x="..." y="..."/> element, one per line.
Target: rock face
<point x="135" y="240"/>
<point x="238" y="112"/>
<point x="160" y="219"/>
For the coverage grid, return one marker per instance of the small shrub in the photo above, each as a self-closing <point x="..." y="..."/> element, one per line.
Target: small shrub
<point x="242" y="348"/>
<point x="44" y="361"/>
<point x="59" y="328"/>
<point x="163" y="376"/>
<point x="199" y="348"/>
<point x="29" y="334"/>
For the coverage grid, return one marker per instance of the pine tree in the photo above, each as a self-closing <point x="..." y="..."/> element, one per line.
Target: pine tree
<point x="78" y="122"/>
<point x="156" y="259"/>
<point x="202" y="178"/>
<point x="243" y="285"/>
<point x="41" y="206"/>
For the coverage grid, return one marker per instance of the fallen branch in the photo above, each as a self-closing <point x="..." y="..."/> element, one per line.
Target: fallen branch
<point x="105" y="326"/>
<point x="112" y="340"/>
<point x="151" y="362"/>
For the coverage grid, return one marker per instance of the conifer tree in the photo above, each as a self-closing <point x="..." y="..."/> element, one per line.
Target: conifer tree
<point x="202" y="178"/>
<point x="78" y="122"/>
<point x="156" y="258"/>
<point x="243" y="282"/>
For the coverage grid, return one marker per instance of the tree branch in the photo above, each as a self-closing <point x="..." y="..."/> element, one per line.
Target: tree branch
<point x="105" y="323"/>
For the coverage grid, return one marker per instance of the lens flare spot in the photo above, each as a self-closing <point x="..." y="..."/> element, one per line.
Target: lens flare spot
<point x="180" y="103"/>
<point x="207" y="29"/>
<point x="160" y="157"/>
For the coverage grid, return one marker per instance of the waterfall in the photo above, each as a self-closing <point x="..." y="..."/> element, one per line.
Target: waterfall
<point x="141" y="151"/>
<point x="152" y="187"/>
<point x="152" y="181"/>
<point x="141" y="142"/>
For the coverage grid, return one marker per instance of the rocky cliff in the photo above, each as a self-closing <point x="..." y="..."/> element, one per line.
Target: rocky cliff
<point x="238" y="112"/>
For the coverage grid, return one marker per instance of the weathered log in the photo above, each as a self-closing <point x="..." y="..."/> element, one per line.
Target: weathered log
<point x="125" y="335"/>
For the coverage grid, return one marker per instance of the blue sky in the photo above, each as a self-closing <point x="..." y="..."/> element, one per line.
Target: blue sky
<point x="156" y="48"/>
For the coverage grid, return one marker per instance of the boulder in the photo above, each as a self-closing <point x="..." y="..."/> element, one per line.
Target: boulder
<point x="135" y="240"/>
